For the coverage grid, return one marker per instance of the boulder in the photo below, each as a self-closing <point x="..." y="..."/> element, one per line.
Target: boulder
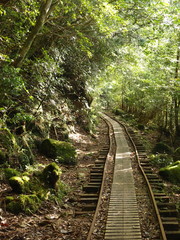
<point x="23" y="203"/>
<point x="18" y="183"/>
<point x="171" y="172"/>
<point x="51" y="174"/>
<point x="64" y="152"/>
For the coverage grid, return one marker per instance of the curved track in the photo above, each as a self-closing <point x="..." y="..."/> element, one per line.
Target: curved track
<point x="123" y="219"/>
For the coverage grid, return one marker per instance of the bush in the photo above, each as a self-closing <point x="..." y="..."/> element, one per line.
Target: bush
<point x="118" y="112"/>
<point x="161" y="160"/>
<point x="162" y="148"/>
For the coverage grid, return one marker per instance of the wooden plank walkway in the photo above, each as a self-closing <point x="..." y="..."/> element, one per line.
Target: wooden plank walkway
<point x="123" y="220"/>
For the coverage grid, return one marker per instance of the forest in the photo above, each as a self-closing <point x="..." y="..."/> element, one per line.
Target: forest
<point x="64" y="61"/>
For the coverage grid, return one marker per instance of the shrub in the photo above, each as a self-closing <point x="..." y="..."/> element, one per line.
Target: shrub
<point x="161" y="160"/>
<point x="162" y="148"/>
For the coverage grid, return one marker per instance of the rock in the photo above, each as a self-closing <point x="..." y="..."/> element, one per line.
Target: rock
<point x="23" y="203"/>
<point x="51" y="174"/>
<point x="171" y="172"/>
<point x="64" y="152"/>
<point x="17" y="184"/>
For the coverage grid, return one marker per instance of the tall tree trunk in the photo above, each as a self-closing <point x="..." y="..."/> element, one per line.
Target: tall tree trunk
<point x="176" y="97"/>
<point x="45" y="10"/>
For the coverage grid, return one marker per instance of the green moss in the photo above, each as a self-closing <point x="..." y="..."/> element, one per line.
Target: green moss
<point x="51" y="174"/>
<point x="17" y="184"/>
<point x="23" y="203"/>
<point x="176" y="156"/>
<point x="12" y="205"/>
<point x="63" y="151"/>
<point x="171" y="172"/>
<point x="10" y="172"/>
<point x="162" y="148"/>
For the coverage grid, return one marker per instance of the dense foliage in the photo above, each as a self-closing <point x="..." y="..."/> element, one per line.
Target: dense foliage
<point x="58" y="56"/>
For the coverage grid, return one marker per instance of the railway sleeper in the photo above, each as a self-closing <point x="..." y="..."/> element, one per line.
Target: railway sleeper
<point x="91" y="188"/>
<point x="144" y="161"/>
<point x="95" y="180"/>
<point x="162" y="199"/>
<point x="88" y="199"/>
<point x="159" y="194"/>
<point x="155" y="181"/>
<point x="173" y="235"/>
<point x="96" y="174"/>
<point x="171" y="225"/>
<point x="96" y="170"/>
<point x="102" y="157"/>
<point x="166" y="205"/>
<point x="102" y="162"/>
<point x="157" y="187"/>
<point x="168" y="212"/>
<point x="103" y="153"/>
<point x="89" y="207"/>
<point x="147" y="168"/>
<point x="141" y="148"/>
<point x="152" y="176"/>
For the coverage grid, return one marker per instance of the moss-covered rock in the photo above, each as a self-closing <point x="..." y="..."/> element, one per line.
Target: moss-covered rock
<point x="63" y="151"/>
<point x="10" y="172"/>
<point x="171" y="172"/>
<point x="12" y="205"/>
<point x="23" y="203"/>
<point x="162" y="148"/>
<point x="176" y="155"/>
<point x="17" y="184"/>
<point x="3" y="157"/>
<point x="51" y="174"/>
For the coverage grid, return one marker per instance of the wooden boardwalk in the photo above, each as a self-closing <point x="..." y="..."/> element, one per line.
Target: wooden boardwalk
<point x="123" y="219"/>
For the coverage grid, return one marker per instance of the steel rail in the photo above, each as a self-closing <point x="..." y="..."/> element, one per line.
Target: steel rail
<point x="103" y="181"/>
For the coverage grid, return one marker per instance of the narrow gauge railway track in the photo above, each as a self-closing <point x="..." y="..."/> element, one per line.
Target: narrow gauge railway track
<point x="122" y="220"/>
<point x="88" y="200"/>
